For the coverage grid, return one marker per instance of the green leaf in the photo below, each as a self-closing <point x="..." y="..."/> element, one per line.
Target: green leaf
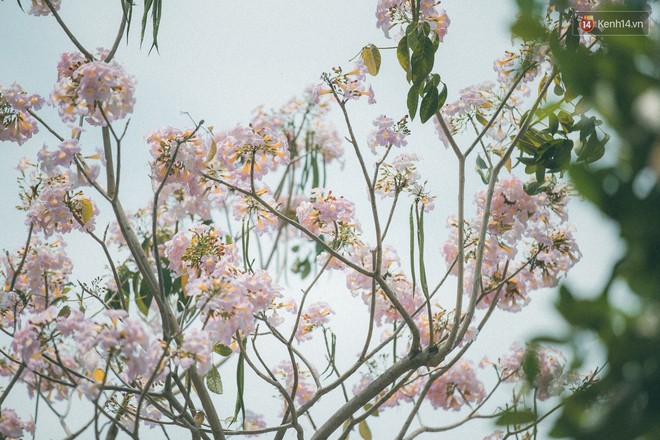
<point x="413" y="99"/>
<point x="593" y="149"/>
<point x="530" y="365"/>
<point x="240" y="385"/>
<point x="432" y="81"/>
<point x="64" y="311"/>
<point x="514" y="417"/>
<point x="371" y="58"/>
<point x="368" y="406"/>
<point x="481" y="164"/>
<point x="412" y="36"/>
<point x="214" y="381"/>
<point x="566" y="120"/>
<point x="143" y="298"/>
<point x="481" y="118"/>
<point x="412" y="247"/>
<point x="443" y="96"/>
<point x="403" y="55"/>
<point x="429" y="105"/>
<point x="364" y="430"/>
<point x="223" y="350"/>
<point x="345" y="425"/>
<point x="553" y="123"/>
<point x="422" y="60"/>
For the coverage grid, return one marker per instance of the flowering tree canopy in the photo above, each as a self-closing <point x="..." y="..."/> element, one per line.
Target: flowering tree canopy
<point x="215" y="279"/>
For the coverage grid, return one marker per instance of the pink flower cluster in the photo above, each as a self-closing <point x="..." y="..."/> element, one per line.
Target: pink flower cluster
<point x="457" y="387"/>
<point x="522" y="233"/>
<point x="327" y="214"/>
<point x="99" y="91"/>
<point x="197" y="349"/>
<point x="387" y="134"/>
<point x="253" y="422"/>
<point x="315" y="315"/>
<point x="304" y="390"/>
<point x="45" y="274"/>
<point x="128" y="338"/>
<point x="347" y="86"/>
<point x="12" y="427"/>
<point x="56" y="208"/>
<point x="16" y="123"/>
<point x="247" y="207"/>
<point x="479" y="101"/>
<point x="400" y="176"/>
<point x="451" y="391"/>
<point x="189" y="161"/>
<point x="532" y="58"/>
<point x="389" y="13"/>
<point x="551" y="379"/>
<point x="227" y="296"/>
<point x="53" y="162"/>
<point x="39" y="7"/>
<point x="393" y="273"/>
<point x="249" y="152"/>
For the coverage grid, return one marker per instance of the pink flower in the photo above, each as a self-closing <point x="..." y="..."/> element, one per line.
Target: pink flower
<point x="390" y="13"/>
<point x="248" y="208"/>
<point x="522" y="232"/>
<point x="196" y="349"/>
<point x="252" y="152"/>
<point x="350" y="85"/>
<point x="189" y="161"/>
<point x="57" y="208"/>
<point x="10" y="425"/>
<point x="50" y="161"/>
<point x="198" y="250"/>
<point x="315" y="315"/>
<point x="253" y="421"/>
<point x="46" y="271"/>
<point x="39" y="7"/>
<point x="457" y="387"/>
<point x="93" y="89"/>
<point x="329" y="215"/>
<point x="550" y="379"/>
<point x="387" y="133"/>
<point x="16" y="123"/>
<point x="304" y="391"/>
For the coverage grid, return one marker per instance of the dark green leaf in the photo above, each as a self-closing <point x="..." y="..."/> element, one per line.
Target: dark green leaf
<point x="429" y="105"/>
<point x="443" y="96"/>
<point x="223" y="350"/>
<point x="530" y="365"/>
<point x="240" y="385"/>
<point x="515" y="418"/>
<point x="413" y="99"/>
<point x="64" y="311"/>
<point x="412" y="37"/>
<point x="422" y="60"/>
<point x="403" y="55"/>
<point x="553" y="123"/>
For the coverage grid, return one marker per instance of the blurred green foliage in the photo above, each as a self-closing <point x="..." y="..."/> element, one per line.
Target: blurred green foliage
<point x="616" y="77"/>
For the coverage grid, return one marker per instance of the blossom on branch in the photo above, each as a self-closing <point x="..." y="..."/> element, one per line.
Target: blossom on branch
<point x="16" y="123"/>
<point x="524" y="250"/>
<point x="98" y="91"/>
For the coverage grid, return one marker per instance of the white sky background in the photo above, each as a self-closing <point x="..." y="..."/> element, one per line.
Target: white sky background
<point x="218" y="60"/>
